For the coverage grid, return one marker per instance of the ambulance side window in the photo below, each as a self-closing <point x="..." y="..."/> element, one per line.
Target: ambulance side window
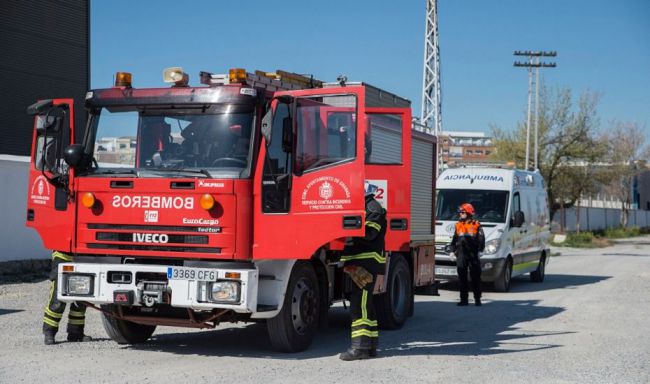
<point x="277" y="168"/>
<point x="516" y="204"/>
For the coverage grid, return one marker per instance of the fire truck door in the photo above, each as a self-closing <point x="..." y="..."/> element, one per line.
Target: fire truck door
<point x="50" y="207"/>
<point x="312" y="183"/>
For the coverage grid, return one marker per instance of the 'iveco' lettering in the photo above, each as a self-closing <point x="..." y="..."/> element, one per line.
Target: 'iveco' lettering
<point x="150" y="238"/>
<point x="474" y="178"/>
<point x="154" y="202"/>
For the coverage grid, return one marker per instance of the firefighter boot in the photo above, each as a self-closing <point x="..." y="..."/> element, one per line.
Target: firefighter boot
<point x="49" y="336"/>
<point x="477" y="301"/>
<point x="73" y="337"/>
<point x="76" y="334"/>
<point x="355" y="354"/>
<point x="373" y="347"/>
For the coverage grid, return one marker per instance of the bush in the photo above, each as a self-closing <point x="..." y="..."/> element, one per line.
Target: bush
<point x="580" y="240"/>
<point x="619" y="233"/>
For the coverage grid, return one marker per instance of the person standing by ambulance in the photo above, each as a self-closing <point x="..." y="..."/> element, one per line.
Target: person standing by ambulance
<point x="467" y="242"/>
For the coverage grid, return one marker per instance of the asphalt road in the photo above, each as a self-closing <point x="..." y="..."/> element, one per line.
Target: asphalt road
<point x="589" y="322"/>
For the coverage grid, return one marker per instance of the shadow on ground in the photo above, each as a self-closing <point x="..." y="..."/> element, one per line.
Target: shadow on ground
<point x="8" y="311"/>
<point x="437" y="328"/>
<point x="551" y="281"/>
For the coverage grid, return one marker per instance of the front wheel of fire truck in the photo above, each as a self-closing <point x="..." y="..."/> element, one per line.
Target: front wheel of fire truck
<point x="394" y="306"/>
<point x="293" y="329"/>
<point x="125" y="332"/>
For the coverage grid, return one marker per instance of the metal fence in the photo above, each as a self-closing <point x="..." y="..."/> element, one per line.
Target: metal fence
<point x="592" y="219"/>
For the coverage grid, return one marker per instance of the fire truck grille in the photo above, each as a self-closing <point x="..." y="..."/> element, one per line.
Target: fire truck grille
<point x="162" y="228"/>
<point x="133" y="247"/>
<point x="169" y="239"/>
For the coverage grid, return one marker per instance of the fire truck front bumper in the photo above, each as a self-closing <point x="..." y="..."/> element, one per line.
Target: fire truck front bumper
<point x="151" y="285"/>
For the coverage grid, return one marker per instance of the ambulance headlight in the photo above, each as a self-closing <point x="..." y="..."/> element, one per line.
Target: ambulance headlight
<point x="224" y="291"/>
<point x="78" y="285"/>
<point x="492" y="246"/>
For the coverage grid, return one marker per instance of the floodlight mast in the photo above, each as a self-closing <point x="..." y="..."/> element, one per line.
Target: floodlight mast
<point x="534" y="61"/>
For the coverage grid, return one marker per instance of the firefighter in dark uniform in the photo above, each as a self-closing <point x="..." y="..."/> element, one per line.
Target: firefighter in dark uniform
<point x="467" y="242"/>
<point x="363" y="259"/>
<point x="54" y="309"/>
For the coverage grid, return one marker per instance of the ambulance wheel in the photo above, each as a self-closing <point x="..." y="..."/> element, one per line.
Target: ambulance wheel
<point x="502" y="283"/>
<point x="293" y="329"/>
<point x="125" y="332"/>
<point x="394" y="306"/>
<point x="537" y="275"/>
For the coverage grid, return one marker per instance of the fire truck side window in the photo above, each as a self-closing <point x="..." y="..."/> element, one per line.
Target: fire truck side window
<point x="326" y="132"/>
<point x="384" y="139"/>
<point x="277" y="168"/>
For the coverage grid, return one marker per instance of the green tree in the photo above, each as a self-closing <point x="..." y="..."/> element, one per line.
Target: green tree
<point x="567" y="145"/>
<point x="627" y="156"/>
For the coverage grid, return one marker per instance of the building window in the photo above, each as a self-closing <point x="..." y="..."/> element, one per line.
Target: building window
<point x="469" y="152"/>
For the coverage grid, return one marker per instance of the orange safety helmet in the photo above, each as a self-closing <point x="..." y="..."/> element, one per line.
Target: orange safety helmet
<point x="467" y="207"/>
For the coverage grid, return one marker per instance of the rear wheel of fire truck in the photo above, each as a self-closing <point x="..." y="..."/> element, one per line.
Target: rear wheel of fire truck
<point x="394" y="306"/>
<point x="293" y="329"/>
<point x="125" y="332"/>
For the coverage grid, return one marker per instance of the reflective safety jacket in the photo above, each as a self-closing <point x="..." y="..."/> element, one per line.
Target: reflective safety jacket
<point x="368" y="251"/>
<point x="468" y="239"/>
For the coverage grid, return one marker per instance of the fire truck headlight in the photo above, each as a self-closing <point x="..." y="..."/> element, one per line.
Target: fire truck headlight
<point x="207" y="202"/>
<point x="88" y="200"/>
<point x="78" y="285"/>
<point x="225" y="291"/>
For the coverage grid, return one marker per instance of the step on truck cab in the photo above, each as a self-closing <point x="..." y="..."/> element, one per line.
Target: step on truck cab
<point x="230" y="201"/>
<point x="512" y="207"/>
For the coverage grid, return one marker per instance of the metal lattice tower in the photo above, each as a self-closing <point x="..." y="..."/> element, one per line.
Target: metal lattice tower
<point x="431" y="100"/>
<point x="431" y="116"/>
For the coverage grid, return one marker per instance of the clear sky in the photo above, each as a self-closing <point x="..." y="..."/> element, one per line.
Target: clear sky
<point x="603" y="46"/>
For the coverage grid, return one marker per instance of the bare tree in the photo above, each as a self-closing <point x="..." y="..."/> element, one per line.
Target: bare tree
<point x="627" y="153"/>
<point x="567" y="143"/>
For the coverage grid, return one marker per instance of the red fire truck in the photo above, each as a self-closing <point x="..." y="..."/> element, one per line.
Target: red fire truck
<point x="230" y="201"/>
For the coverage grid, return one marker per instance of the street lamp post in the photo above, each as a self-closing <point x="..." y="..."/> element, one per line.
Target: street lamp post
<point x="534" y="61"/>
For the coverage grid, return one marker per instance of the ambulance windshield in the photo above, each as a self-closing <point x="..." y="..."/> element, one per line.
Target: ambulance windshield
<point x="215" y="140"/>
<point x="490" y="206"/>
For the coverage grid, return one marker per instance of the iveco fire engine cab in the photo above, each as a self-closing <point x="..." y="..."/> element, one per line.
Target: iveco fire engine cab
<point x="230" y="201"/>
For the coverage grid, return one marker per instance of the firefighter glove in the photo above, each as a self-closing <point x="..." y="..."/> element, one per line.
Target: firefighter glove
<point x="359" y="275"/>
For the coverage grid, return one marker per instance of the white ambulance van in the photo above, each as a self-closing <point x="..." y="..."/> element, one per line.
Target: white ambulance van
<point x="512" y="206"/>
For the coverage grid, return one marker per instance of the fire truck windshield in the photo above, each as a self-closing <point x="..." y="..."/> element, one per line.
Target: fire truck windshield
<point x="214" y="141"/>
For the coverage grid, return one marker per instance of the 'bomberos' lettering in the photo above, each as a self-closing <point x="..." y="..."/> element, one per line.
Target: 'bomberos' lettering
<point x="154" y="202"/>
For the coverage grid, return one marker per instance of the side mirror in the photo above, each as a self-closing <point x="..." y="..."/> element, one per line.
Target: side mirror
<point x="267" y="122"/>
<point x="74" y="155"/>
<point x="287" y="134"/>
<point x="518" y="219"/>
<point x="39" y="107"/>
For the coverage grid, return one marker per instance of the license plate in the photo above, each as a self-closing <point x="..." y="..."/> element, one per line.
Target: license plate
<point x="198" y="274"/>
<point x="445" y="271"/>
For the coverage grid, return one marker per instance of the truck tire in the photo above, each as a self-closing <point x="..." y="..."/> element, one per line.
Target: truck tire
<point x="537" y="275"/>
<point x="293" y="329"/>
<point x="125" y="332"/>
<point x="394" y="306"/>
<point x="502" y="283"/>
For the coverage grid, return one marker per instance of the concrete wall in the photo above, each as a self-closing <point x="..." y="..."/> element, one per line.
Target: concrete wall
<point x="598" y="218"/>
<point x="17" y="241"/>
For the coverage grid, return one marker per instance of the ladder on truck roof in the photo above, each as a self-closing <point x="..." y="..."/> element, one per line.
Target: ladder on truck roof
<point x="270" y="81"/>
